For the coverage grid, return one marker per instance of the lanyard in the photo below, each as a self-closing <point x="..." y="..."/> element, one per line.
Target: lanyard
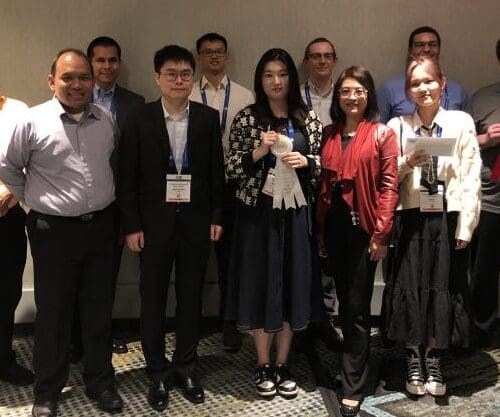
<point x="308" y="96"/>
<point x="227" y="92"/>
<point x="186" y="166"/>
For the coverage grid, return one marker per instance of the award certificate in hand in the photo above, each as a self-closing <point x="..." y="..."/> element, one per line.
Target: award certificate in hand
<point x="431" y="146"/>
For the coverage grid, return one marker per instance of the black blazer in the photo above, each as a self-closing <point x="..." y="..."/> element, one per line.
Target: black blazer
<point x="127" y="102"/>
<point x="143" y="156"/>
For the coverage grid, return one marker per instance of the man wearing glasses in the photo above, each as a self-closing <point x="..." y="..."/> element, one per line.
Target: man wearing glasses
<point x="391" y="96"/>
<point x="319" y="61"/>
<point x="170" y="192"/>
<point x="216" y="90"/>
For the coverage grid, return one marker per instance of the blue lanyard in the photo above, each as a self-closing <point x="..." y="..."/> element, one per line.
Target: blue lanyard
<point x="227" y="92"/>
<point x="290" y="130"/>
<point x="186" y="166"/>
<point x="308" y="96"/>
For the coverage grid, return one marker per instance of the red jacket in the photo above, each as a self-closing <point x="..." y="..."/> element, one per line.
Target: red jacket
<point x="368" y="170"/>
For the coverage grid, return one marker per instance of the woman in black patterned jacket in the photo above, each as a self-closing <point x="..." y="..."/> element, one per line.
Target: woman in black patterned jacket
<point x="271" y="268"/>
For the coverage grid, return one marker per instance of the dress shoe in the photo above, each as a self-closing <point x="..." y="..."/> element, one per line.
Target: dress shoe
<point x="108" y="400"/>
<point x="191" y="389"/>
<point x="158" y="396"/>
<point x="232" y="339"/>
<point x="44" y="409"/>
<point x="18" y="375"/>
<point x="119" y="346"/>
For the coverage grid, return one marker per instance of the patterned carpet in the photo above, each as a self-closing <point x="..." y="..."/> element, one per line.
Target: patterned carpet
<point x="473" y="383"/>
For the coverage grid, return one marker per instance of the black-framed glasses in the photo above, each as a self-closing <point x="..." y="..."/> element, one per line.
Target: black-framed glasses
<point x="211" y="52"/>
<point x="316" y="56"/>
<point x="422" y="44"/>
<point x="173" y="75"/>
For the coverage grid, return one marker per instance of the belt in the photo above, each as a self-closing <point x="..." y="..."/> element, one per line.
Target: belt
<point x="82" y="218"/>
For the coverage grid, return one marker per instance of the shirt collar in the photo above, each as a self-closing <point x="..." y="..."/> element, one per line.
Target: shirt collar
<point x="89" y="109"/>
<point x="316" y="91"/>
<point x="184" y="113"/>
<point x="204" y="82"/>
<point x="97" y="89"/>
<point x="438" y="120"/>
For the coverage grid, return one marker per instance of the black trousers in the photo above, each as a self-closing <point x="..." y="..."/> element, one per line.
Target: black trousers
<point x="12" y="261"/>
<point x="354" y="274"/>
<point x="76" y="332"/>
<point x="190" y="260"/>
<point x="73" y="269"/>
<point x="223" y="246"/>
<point x="485" y="248"/>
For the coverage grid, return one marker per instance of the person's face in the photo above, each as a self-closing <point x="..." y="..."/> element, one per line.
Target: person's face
<point x="353" y="98"/>
<point x="212" y="57"/>
<point x="320" y="60"/>
<point x="275" y="82"/>
<point x="425" y="89"/>
<point x="72" y="82"/>
<point x="175" y="80"/>
<point x="425" y="44"/>
<point x="106" y="65"/>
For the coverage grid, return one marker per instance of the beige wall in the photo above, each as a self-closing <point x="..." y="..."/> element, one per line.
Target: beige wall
<point x="368" y="32"/>
<point x="372" y="33"/>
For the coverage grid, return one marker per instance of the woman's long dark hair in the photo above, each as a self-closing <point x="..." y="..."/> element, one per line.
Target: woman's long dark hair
<point x="362" y="76"/>
<point x="297" y="109"/>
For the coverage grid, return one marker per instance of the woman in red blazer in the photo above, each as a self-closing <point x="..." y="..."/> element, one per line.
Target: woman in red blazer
<point x="357" y="197"/>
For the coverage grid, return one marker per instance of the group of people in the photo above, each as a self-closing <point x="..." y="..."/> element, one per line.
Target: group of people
<point x="288" y="181"/>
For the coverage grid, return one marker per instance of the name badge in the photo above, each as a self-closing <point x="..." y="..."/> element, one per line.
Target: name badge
<point x="178" y="188"/>
<point x="268" y="188"/>
<point x="431" y="203"/>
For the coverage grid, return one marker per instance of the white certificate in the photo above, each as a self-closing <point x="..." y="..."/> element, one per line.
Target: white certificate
<point x="431" y="146"/>
<point x="178" y="188"/>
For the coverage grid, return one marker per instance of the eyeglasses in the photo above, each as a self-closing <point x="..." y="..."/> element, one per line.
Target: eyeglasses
<point x="347" y="92"/>
<point x="211" y="52"/>
<point x="329" y="56"/>
<point x="430" y="44"/>
<point x="173" y="75"/>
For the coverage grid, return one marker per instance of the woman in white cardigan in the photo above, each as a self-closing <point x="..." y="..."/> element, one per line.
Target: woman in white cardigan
<point x="439" y="201"/>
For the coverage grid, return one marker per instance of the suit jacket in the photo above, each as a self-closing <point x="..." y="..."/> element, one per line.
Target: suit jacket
<point x="143" y="158"/>
<point x="126" y="102"/>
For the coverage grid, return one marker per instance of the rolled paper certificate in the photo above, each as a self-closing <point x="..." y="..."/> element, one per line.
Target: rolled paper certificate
<point x="287" y="187"/>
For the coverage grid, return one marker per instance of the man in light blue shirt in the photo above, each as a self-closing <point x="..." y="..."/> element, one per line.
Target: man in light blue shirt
<point x="391" y="96"/>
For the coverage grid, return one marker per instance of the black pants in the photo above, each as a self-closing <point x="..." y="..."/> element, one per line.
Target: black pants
<point x="354" y="274"/>
<point x="76" y="332"/>
<point x="73" y="268"/>
<point x="485" y="263"/>
<point x="156" y="265"/>
<point x="12" y="260"/>
<point x="223" y="246"/>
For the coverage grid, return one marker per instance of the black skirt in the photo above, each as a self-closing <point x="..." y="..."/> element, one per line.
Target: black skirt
<point x="426" y="289"/>
<point x="271" y="271"/>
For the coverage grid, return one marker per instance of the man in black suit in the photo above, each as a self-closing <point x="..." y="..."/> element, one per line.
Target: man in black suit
<point x="104" y="54"/>
<point x="171" y="180"/>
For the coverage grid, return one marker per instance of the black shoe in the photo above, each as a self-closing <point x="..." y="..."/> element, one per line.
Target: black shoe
<point x="349" y="410"/>
<point x="264" y="381"/>
<point x="415" y="381"/>
<point x="44" y="409"/>
<point x="158" y="396"/>
<point x="119" y="346"/>
<point x="232" y="339"/>
<point x="191" y="389"/>
<point x="331" y="337"/>
<point x="285" y="382"/>
<point x="108" y="400"/>
<point x="17" y="375"/>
